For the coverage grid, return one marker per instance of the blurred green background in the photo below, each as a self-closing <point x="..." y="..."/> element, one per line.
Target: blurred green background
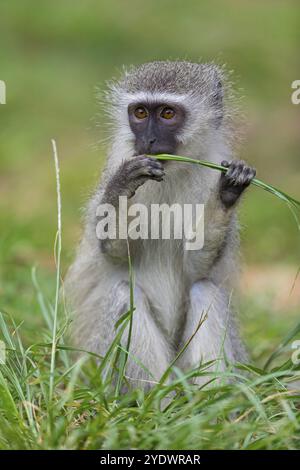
<point x="54" y="54"/>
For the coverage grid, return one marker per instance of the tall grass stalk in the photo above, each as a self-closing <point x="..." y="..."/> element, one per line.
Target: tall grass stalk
<point x="57" y="256"/>
<point x="129" y="315"/>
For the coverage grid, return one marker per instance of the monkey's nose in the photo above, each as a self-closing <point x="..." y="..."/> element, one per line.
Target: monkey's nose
<point x="152" y="140"/>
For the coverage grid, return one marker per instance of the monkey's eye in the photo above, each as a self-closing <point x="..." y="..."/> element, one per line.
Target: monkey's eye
<point x="141" y="112"/>
<point x="167" y="113"/>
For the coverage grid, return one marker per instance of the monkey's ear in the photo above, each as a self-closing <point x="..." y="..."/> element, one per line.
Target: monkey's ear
<point x="217" y="102"/>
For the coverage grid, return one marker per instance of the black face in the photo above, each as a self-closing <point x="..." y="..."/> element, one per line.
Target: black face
<point x="155" y="127"/>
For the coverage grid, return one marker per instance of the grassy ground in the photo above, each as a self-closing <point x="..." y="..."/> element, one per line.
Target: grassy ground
<point x="48" y="400"/>
<point x="52" y="57"/>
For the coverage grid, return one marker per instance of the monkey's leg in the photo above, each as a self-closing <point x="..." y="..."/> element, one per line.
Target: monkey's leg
<point x="148" y="344"/>
<point x="217" y="337"/>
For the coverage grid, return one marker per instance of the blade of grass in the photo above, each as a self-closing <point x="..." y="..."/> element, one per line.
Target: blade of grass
<point x="167" y="372"/>
<point x="290" y="201"/>
<point x="41" y="300"/>
<point x="124" y="357"/>
<point x="57" y="254"/>
<point x="7" y="403"/>
<point x="288" y="338"/>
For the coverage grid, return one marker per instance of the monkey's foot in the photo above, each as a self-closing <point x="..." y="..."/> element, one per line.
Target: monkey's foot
<point x="232" y="183"/>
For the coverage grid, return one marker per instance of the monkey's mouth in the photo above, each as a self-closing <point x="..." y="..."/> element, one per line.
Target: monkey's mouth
<point x="154" y="150"/>
<point x="155" y="154"/>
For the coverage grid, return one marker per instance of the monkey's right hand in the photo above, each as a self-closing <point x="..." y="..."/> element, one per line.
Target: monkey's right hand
<point x="131" y="174"/>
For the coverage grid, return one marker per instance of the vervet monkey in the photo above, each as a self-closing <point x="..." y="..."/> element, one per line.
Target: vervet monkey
<point x="178" y="108"/>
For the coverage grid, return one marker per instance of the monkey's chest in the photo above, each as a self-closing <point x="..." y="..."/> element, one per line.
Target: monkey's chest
<point x="160" y="273"/>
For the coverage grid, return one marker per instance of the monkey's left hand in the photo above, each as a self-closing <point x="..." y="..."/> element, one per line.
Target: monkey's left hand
<point x="236" y="179"/>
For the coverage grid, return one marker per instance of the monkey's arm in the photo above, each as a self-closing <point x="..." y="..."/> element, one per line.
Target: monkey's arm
<point x="130" y="175"/>
<point x="219" y="219"/>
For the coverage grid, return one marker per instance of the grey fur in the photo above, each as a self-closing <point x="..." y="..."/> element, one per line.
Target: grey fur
<point x="173" y="77"/>
<point x="173" y="286"/>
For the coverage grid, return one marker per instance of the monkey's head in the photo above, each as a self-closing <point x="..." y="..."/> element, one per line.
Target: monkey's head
<point x="164" y="107"/>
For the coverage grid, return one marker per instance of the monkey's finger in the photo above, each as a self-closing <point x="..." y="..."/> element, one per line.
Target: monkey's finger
<point x="148" y="158"/>
<point x="236" y="167"/>
<point x="145" y="160"/>
<point x="157" y="172"/>
<point x="246" y="176"/>
<point x="155" y="177"/>
<point x="240" y="174"/>
<point x="146" y="171"/>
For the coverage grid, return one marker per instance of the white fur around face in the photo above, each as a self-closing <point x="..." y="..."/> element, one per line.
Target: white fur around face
<point x="144" y="97"/>
<point x="195" y="134"/>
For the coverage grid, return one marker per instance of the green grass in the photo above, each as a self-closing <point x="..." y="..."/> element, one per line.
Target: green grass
<point x="77" y="405"/>
<point x="50" y="400"/>
<point x="80" y="407"/>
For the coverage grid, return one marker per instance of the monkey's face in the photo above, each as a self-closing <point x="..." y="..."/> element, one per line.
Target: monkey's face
<point x="156" y="127"/>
